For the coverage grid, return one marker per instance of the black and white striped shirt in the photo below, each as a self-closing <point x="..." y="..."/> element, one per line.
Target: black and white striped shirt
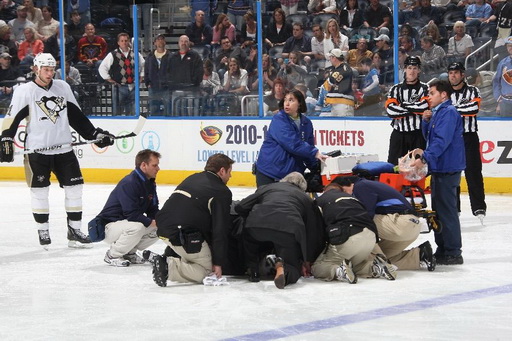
<point x="405" y="105"/>
<point x="467" y="102"/>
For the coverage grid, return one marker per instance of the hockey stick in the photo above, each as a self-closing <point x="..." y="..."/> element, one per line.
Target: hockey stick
<point x="140" y="124"/>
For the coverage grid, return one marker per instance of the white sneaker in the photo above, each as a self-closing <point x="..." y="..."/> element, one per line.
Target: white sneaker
<point x="344" y="273"/>
<point x="382" y="269"/>
<point x="134" y="258"/>
<point x="115" y="261"/>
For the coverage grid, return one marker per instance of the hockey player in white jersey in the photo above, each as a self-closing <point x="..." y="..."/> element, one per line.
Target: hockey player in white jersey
<point x="50" y="109"/>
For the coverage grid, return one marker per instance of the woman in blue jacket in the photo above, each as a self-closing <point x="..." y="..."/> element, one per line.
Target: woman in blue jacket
<point x="289" y="144"/>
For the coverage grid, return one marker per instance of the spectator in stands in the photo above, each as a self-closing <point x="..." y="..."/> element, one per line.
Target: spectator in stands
<point x="311" y="102"/>
<point x="76" y="27"/>
<point x="34" y="14"/>
<point x="407" y="43"/>
<point x="407" y="30"/>
<point x="52" y="44"/>
<point x="19" y="23"/>
<point x="269" y="74"/>
<point x="378" y="64"/>
<point x="72" y="74"/>
<point x="225" y="52"/>
<point x="210" y="85"/>
<point x="334" y="39"/>
<point x="317" y="42"/>
<point x="292" y="71"/>
<point x="207" y="7"/>
<point x="289" y="6"/>
<point x="502" y="83"/>
<point x="271" y="101"/>
<point x="377" y="16"/>
<point x="7" y="10"/>
<point x="432" y="58"/>
<point x="355" y="56"/>
<point x="339" y="86"/>
<point x="157" y="72"/>
<point x="460" y="45"/>
<point x="249" y="30"/>
<point x="237" y="10"/>
<point x="503" y="17"/>
<point x="30" y="47"/>
<point x="351" y="17"/>
<point x="386" y="54"/>
<point x="297" y="42"/>
<point x="92" y="49"/>
<point x="8" y="45"/>
<point x="371" y="89"/>
<point x="83" y="7"/>
<point x="235" y="79"/>
<point x="8" y="72"/>
<point x="223" y="28"/>
<point x="118" y="69"/>
<point x="402" y="55"/>
<point x="478" y="13"/>
<point x="199" y="32"/>
<point x="321" y="6"/>
<point x="251" y="65"/>
<point x="431" y="30"/>
<point x="425" y="13"/>
<point x="47" y="26"/>
<point x="186" y="66"/>
<point x="278" y="30"/>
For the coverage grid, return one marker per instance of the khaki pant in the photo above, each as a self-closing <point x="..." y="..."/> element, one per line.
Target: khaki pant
<point x="192" y="267"/>
<point x="396" y="232"/>
<point x="357" y="249"/>
<point x="128" y="236"/>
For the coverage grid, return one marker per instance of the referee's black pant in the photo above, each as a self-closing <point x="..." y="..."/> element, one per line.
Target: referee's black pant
<point x="400" y="143"/>
<point x="473" y="173"/>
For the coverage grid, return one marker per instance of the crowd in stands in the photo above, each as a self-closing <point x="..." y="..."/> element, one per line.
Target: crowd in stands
<point x="221" y="63"/>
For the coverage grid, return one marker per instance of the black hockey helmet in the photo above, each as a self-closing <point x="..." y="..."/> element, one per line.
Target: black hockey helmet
<point x="456" y="66"/>
<point x="413" y="60"/>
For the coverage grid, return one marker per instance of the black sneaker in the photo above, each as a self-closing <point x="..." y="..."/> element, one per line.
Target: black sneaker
<point x="44" y="237"/>
<point x="254" y="276"/>
<point x="427" y="257"/>
<point x="451" y="260"/>
<point x="160" y="270"/>
<point x="149" y="256"/>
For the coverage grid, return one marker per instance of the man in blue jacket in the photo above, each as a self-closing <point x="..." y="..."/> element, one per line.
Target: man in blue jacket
<point x="445" y="156"/>
<point x="130" y="211"/>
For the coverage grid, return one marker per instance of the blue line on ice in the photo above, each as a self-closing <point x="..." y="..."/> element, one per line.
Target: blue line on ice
<point x="373" y="314"/>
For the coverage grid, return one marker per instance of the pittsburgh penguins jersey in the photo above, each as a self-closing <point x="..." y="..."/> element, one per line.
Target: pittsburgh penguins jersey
<point x="467" y="102"/>
<point x="49" y="113"/>
<point x="405" y="105"/>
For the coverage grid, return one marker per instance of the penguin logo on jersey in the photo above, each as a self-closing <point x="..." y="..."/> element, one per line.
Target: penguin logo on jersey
<point x="51" y="106"/>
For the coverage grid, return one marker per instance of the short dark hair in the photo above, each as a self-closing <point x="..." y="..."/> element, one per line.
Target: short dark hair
<point x="144" y="156"/>
<point x="298" y="24"/>
<point x="218" y="161"/>
<point x="442" y="86"/>
<point x="345" y="181"/>
<point x="317" y="25"/>
<point x="299" y="96"/>
<point x="366" y="61"/>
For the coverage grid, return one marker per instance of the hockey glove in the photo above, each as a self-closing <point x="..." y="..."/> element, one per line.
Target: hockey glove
<point x="104" y="138"/>
<point x="6" y="149"/>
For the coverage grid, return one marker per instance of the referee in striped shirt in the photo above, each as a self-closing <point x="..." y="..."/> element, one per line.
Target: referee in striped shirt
<point x="405" y="105"/>
<point x="466" y="99"/>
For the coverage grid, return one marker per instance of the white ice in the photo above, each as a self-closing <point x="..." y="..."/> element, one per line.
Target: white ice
<point x="70" y="294"/>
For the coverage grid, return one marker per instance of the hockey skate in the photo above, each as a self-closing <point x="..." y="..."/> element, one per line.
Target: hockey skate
<point x="77" y="239"/>
<point x="160" y="271"/>
<point x="480" y="214"/>
<point x="44" y="238"/>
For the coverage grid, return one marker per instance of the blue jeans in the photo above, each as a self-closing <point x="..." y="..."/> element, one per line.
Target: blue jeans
<point x="444" y="202"/>
<point x="159" y="102"/>
<point x="124" y="99"/>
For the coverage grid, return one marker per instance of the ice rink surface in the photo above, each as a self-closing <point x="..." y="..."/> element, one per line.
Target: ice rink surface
<point x="71" y="294"/>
